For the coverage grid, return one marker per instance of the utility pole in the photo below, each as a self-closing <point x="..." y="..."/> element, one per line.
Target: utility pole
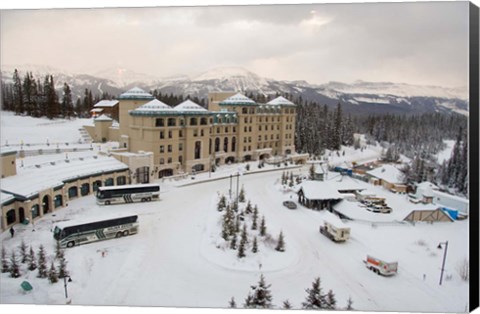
<point x="444" y="259"/>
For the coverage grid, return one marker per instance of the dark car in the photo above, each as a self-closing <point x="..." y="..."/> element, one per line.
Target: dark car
<point x="290" y="205"/>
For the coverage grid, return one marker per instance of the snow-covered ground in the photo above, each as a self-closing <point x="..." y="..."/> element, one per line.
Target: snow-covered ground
<point x="174" y="260"/>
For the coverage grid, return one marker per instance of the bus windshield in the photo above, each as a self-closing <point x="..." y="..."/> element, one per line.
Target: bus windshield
<point x="56" y="233"/>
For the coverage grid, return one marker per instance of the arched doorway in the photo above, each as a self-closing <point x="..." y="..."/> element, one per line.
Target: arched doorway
<point x="45" y="204"/>
<point x="96" y="185"/>
<point x="35" y="211"/>
<point x="21" y="214"/>
<point x="121" y="180"/>
<point x="58" y="200"/>
<point x="109" y="182"/>
<point x="165" y="173"/>
<point x="247" y="158"/>
<point x="264" y="156"/>
<point x="230" y="160"/>
<point x="72" y="192"/>
<point x="85" y="189"/>
<point x="11" y="217"/>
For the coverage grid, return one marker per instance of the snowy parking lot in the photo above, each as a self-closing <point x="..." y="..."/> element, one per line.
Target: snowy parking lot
<point x="174" y="261"/>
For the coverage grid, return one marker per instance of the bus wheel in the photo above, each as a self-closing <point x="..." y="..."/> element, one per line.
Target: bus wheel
<point x="126" y="233"/>
<point x="142" y="200"/>
<point x="149" y="199"/>
<point x="118" y="235"/>
<point x="71" y="244"/>
<point x="107" y="202"/>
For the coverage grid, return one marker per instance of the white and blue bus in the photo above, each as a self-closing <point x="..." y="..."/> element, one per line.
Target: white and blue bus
<point x="72" y="233"/>
<point x="107" y="195"/>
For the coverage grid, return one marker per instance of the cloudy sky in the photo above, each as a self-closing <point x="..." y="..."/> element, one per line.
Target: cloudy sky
<point x="418" y="43"/>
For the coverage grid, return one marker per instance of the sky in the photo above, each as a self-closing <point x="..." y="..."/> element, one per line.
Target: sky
<point x="416" y="43"/>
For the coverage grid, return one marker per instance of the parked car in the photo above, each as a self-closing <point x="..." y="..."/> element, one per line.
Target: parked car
<point x="290" y="205"/>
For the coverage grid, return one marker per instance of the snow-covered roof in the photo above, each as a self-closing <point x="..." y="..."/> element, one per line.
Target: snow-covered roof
<point x="96" y="110"/>
<point x="319" y="190"/>
<point x="5" y="197"/>
<point x="6" y="150"/>
<point x="238" y="99"/>
<point x="106" y="103"/>
<point x="103" y="118"/>
<point x="136" y="93"/>
<point x="280" y="101"/>
<point x="189" y="105"/>
<point x="426" y="184"/>
<point x="154" y="105"/>
<point x="49" y="175"/>
<point x="387" y="173"/>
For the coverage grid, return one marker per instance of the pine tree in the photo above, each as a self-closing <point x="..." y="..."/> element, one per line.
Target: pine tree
<point x="52" y="274"/>
<point x="14" y="267"/>
<point x="286" y="305"/>
<point x="67" y="102"/>
<point x="32" y="263"/>
<point x="5" y="267"/>
<point x="330" y="300"/>
<point x="263" y="227"/>
<point x="244" y="235"/>
<point x="315" y="298"/>
<point x="42" y="263"/>
<point x="248" y="208"/>
<point x="23" y="252"/>
<point x="280" y="243"/>
<point x="260" y="296"/>
<point x="62" y="266"/>
<point x="241" y="196"/>
<point x="221" y="203"/>
<point x="255" y="245"/>
<point x="233" y="242"/>
<point x="17" y="93"/>
<point x="232" y="304"/>
<point x="255" y="218"/>
<point x="311" y="172"/>
<point x="349" y="304"/>
<point x="241" y="249"/>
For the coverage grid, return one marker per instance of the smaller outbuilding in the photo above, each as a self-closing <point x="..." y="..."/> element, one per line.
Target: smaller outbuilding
<point x="428" y="215"/>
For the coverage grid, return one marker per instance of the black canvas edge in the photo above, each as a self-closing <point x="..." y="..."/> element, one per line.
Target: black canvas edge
<point x="474" y="139"/>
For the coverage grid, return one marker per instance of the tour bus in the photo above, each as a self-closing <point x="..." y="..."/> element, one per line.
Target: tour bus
<point x="107" y="195"/>
<point x="71" y="233"/>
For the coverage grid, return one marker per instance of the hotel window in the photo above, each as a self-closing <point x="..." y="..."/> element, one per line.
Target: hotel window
<point x="159" y="122"/>
<point x="171" y="122"/>
<point x="234" y="129"/>
<point x="162" y="161"/>
<point x="244" y="110"/>
<point x="169" y="160"/>
<point x="233" y="144"/>
<point x="180" y="159"/>
<point x="180" y="133"/>
<point x="195" y="132"/>
<point x="162" y="149"/>
<point x="198" y="148"/>
<point x="182" y="122"/>
<point x="193" y="121"/>
<point x="162" y="134"/>
<point x="201" y="132"/>
<point x="169" y="148"/>
<point x="259" y="127"/>
<point x="180" y="146"/>
<point x="203" y="121"/>
<point x="218" y="130"/>
<point x="170" y="134"/>
<point x="245" y="120"/>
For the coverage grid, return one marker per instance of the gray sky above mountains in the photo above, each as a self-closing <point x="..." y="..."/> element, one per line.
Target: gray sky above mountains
<point x="416" y="43"/>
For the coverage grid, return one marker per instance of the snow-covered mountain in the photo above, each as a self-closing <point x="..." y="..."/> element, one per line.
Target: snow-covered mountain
<point x="359" y="97"/>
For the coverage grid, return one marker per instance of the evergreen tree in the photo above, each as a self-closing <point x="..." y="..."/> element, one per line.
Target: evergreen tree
<point x="232" y="304"/>
<point x="17" y="93"/>
<point x="311" y="172"/>
<point x="255" y="218"/>
<point x="241" y="249"/>
<point x="315" y="298"/>
<point x="330" y="301"/>
<point x="52" y="274"/>
<point x="244" y="235"/>
<point x="233" y="242"/>
<point x="67" y="102"/>
<point x="248" y="208"/>
<point x="14" y="266"/>
<point x="5" y="267"/>
<point x="27" y="94"/>
<point x="221" y="203"/>
<point x="280" y="243"/>
<point x="32" y="263"/>
<point x="241" y="196"/>
<point x="228" y="225"/>
<point x="62" y="266"/>
<point x="255" y="245"/>
<point x="286" y="305"/>
<point x="349" y="304"/>
<point x="42" y="263"/>
<point x="58" y="250"/>
<point x="23" y="252"/>
<point x="263" y="227"/>
<point x="260" y="296"/>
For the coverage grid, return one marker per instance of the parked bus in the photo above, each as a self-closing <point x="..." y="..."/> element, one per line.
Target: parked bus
<point x="107" y="195"/>
<point x="73" y="233"/>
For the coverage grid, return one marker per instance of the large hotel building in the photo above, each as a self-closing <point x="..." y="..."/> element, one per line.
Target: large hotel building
<point x="189" y="138"/>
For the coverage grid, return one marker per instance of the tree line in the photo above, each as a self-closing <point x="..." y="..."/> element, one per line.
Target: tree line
<point x="39" y="98"/>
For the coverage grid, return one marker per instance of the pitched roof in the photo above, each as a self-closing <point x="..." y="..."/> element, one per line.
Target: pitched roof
<point x="103" y="118"/>
<point x="189" y="105"/>
<point x="106" y="103"/>
<point x="136" y="93"/>
<point x="280" y="101"/>
<point x="387" y="173"/>
<point x="238" y="99"/>
<point x="154" y="105"/>
<point x="319" y="190"/>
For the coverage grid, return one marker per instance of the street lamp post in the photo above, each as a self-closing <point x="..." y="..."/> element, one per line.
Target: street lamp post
<point x="65" y="285"/>
<point x="444" y="259"/>
<point x="230" y="190"/>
